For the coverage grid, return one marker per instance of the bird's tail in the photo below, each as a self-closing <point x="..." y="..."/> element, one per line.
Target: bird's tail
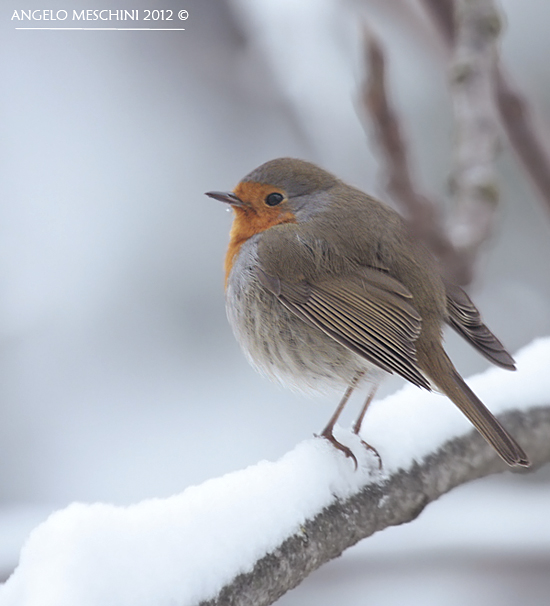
<point x="446" y="378"/>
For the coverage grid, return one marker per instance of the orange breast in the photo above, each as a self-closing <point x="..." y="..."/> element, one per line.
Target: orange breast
<point x="253" y="217"/>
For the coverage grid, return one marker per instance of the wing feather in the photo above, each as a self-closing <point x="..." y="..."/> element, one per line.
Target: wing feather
<point x="466" y="320"/>
<point x="368" y="312"/>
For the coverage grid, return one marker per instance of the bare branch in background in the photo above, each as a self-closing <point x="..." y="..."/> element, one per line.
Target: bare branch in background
<point x="423" y="214"/>
<point x="474" y="186"/>
<point x="398" y="500"/>
<point x="473" y="181"/>
<point x="531" y="149"/>
<point x="442" y="12"/>
<point x="470" y="29"/>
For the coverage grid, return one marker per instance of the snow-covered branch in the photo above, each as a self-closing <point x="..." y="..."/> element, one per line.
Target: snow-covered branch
<point x="398" y="499"/>
<point x="250" y="536"/>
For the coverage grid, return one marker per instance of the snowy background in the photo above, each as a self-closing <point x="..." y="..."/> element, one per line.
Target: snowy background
<point x="121" y="380"/>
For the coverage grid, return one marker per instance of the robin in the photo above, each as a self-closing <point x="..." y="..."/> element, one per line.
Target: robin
<point x="325" y="286"/>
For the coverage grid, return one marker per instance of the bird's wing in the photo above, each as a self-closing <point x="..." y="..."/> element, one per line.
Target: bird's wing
<point x="464" y="317"/>
<point x="367" y="311"/>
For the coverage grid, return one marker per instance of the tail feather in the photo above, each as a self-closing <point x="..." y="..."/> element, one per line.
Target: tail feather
<point x="447" y="379"/>
<point x="487" y="425"/>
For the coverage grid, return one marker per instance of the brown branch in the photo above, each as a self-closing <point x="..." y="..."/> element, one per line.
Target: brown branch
<point x="400" y="499"/>
<point x="442" y="12"/>
<point x="529" y="147"/>
<point x="423" y="214"/>
<point x="389" y="136"/>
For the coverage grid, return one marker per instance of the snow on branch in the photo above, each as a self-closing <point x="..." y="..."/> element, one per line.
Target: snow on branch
<point x="399" y="499"/>
<point x="248" y="537"/>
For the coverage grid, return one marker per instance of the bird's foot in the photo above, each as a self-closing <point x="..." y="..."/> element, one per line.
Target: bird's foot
<point x="347" y="451"/>
<point x="373" y="450"/>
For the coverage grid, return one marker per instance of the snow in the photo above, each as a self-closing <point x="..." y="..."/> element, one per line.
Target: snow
<point x="16" y="522"/>
<point x="183" y="549"/>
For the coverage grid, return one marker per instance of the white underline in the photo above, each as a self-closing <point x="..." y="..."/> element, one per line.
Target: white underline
<point x="153" y="29"/>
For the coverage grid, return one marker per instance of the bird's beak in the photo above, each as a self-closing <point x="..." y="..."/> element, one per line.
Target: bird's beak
<point x="227" y="197"/>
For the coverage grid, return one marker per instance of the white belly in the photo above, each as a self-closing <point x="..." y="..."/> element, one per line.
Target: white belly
<point x="280" y="344"/>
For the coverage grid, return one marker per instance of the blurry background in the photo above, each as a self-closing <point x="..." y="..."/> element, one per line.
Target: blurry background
<point x="120" y="378"/>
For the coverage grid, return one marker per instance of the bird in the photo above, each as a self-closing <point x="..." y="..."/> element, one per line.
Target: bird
<point x="326" y="287"/>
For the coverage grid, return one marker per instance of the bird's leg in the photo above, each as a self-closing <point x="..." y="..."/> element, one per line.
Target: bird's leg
<point x="359" y="422"/>
<point x="327" y="431"/>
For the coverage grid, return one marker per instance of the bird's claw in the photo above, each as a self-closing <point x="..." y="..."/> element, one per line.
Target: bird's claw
<point x="327" y="435"/>
<point x="373" y="450"/>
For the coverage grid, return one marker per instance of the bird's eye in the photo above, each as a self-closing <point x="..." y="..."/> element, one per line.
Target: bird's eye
<point x="274" y="198"/>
